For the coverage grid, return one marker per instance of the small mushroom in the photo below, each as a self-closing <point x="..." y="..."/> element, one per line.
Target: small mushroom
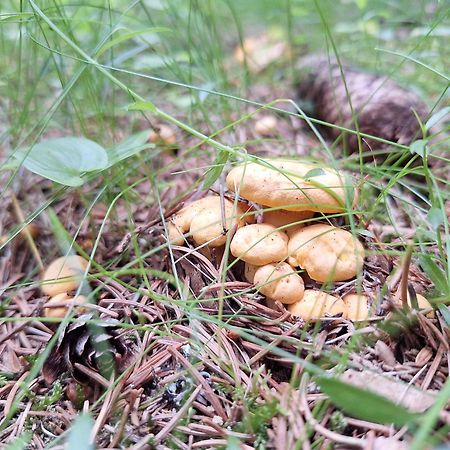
<point x="64" y="274"/>
<point x="356" y="307"/>
<point x="279" y="282"/>
<point x="317" y="304"/>
<point x="292" y="185"/>
<point x="266" y="126"/>
<point x="326" y="253"/>
<point x="281" y="218"/>
<point x="422" y="303"/>
<point x="259" y="244"/>
<point x="204" y="218"/>
<point x="163" y="134"/>
<point x="54" y="309"/>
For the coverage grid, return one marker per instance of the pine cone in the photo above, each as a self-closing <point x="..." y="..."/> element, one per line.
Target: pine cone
<point x="95" y="345"/>
<point x="383" y="108"/>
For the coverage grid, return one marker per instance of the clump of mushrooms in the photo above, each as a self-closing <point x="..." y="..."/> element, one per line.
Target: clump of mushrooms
<point x="288" y="245"/>
<point x="63" y="276"/>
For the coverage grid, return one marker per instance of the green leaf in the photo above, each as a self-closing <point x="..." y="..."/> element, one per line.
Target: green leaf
<point x="129" y="147"/>
<point x="216" y="169"/>
<point x="64" y="160"/>
<point x="130" y="35"/>
<point x="80" y="433"/>
<point x="317" y="172"/>
<point x="437" y="117"/>
<point x="21" y="442"/>
<point x="142" y="106"/>
<point x="364" y="404"/>
<point x="419" y="147"/>
<point x="435" y="273"/>
<point x="436" y="217"/>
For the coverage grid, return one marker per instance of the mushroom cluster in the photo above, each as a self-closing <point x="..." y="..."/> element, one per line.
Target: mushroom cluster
<point x="287" y="245"/>
<point x="61" y="278"/>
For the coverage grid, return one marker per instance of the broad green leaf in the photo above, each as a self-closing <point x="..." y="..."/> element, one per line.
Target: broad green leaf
<point x="364" y="404"/>
<point x="216" y="169"/>
<point x="130" y="35"/>
<point x="437" y="117"/>
<point x="129" y="147"/>
<point x="419" y="147"/>
<point x="435" y="273"/>
<point x="21" y="442"/>
<point x="142" y="106"/>
<point x="80" y="434"/>
<point x="64" y="160"/>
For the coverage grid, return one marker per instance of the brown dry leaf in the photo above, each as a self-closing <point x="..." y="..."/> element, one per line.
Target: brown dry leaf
<point x="397" y="392"/>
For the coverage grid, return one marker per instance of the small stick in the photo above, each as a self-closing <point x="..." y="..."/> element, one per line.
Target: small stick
<point x="405" y="273"/>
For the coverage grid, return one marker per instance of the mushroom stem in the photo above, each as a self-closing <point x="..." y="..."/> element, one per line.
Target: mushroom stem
<point x="405" y="273"/>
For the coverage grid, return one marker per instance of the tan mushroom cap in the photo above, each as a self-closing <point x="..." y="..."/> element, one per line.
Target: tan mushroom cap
<point x="279" y="282"/>
<point x="422" y="303"/>
<point x="326" y="253"/>
<point x="356" y="307"/>
<point x="259" y="244"/>
<point x="67" y="274"/>
<point x="60" y="311"/>
<point x="180" y="223"/>
<point x="317" y="304"/>
<point x="284" y="185"/>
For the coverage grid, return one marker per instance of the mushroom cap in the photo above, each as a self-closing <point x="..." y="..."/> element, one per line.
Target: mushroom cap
<point x="292" y="185"/>
<point x="326" y="253"/>
<point x="164" y="134"/>
<point x="356" y="307"/>
<point x="60" y="311"/>
<point x="180" y="223"/>
<point x="280" y="218"/>
<point x="423" y="303"/>
<point x="279" y="282"/>
<point x="259" y="244"/>
<point x="316" y="304"/>
<point x="210" y="225"/>
<point x="266" y="126"/>
<point x="67" y="274"/>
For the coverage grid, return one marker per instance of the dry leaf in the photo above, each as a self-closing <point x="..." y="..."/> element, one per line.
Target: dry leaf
<point x="397" y="392"/>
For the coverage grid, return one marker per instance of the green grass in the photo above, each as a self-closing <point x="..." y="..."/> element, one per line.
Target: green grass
<point x="107" y="70"/>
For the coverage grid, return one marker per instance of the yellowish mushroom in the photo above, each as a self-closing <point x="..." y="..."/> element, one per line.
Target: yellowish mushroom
<point x="55" y="307"/>
<point x="63" y="275"/>
<point x="288" y="221"/>
<point x="279" y="282"/>
<point x="422" y="303"/>
<point x="356" y="307"/>
<point x="204" y="219"/>
<point x="317" y="304"/>
<point x="259" y="244"/>
<point x="291" y="185"/>
<point x="266" y="126"/>
<point x="326" y="253"/>
<point x="163" y="134"/>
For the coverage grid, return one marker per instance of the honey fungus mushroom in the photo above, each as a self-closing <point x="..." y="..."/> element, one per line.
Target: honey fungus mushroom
<point x="289" y="184"/>
<point x="207" y="220"/>
<point x="317" y="304"/>
<point x="279" y="282"/>
<point x="63" y="275"/>
<point x="259" y="244"/>
<point x="356" y="307"/>
<point x="326" y="253"/>
<point x="56" y="307"/>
